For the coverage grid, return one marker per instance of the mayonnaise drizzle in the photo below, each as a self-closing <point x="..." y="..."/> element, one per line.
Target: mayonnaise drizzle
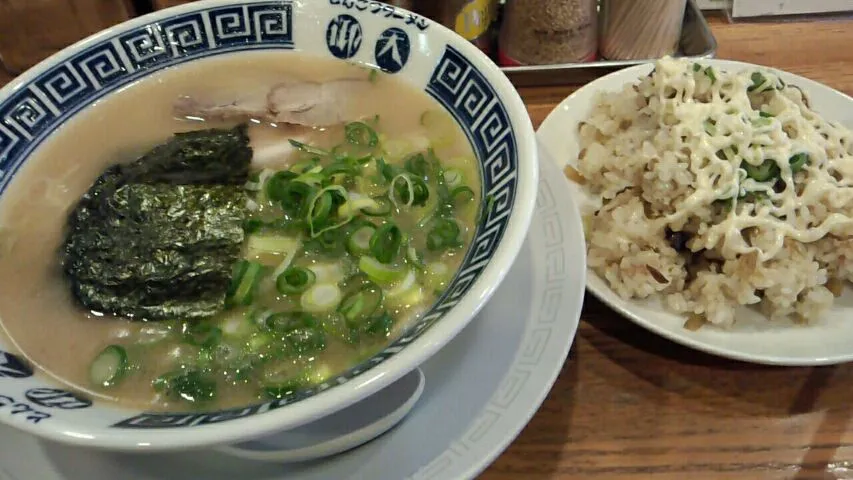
<point x="713" y="116"/>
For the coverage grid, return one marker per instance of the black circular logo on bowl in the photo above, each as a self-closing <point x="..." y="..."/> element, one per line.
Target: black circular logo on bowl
<point x="56" y="398"/>
<point x="392" y="50"/>
<point x="343" y="36"/>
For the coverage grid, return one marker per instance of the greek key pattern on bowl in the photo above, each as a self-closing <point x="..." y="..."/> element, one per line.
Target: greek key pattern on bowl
<point x="464" y="91"/>
<point x="30" y="113"/>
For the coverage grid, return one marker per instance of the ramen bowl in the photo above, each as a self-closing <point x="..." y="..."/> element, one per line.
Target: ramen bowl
<point x="441" y="65"/>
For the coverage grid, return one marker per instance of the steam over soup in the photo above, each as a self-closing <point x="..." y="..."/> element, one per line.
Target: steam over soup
<point x="209" y="240"/>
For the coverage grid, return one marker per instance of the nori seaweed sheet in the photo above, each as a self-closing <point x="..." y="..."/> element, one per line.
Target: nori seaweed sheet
<point x="136" y="305"/>
<point x="156" y="239"/>
<point x="184" y="216"/>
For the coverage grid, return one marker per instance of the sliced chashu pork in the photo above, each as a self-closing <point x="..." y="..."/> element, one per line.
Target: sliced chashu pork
<point x="271" y="147"/>
<point x="296" y="102"/>
<point x="298" y="108"/>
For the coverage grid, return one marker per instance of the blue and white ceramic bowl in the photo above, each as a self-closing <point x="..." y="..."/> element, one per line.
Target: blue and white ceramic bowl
<point x="433" y="58"/>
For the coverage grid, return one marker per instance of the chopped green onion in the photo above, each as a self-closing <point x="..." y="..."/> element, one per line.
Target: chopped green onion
<point x="277" y="183"/>
<point x="462" y="194"/>
<point x="203" y="334"/>
<point x="380" y="325"/>
<point x="373" y="75"/>
<point x="341" y="168"/>
<point x="312" y="177"/>
<point x="411" y="191"/>
<point x="388" y="171"/>
<point x="192" y="385"/>
<point x="252" y="225"/>
<point x="379" y="272"/>
<point x="204" y="358"/>
<point x="385" y="242"/>
<point x="362" y="161"/>
<point x="414" y="257"/>
<point x="295" y="280"/>
<point x="762" y="121"/>
<point x="258" y="317"/>
<point x="453" y="177"/>
<point x="304" y="147"/>
<point x="374" y="207"/>
<point x="798" y="161"/>
<point x="420" y="194"/>
<point x="360" y="305"/>
<point x="109" y="367"/>
<point x="359" y="133"/>
<point x="304" y="167"/>
<point x="320" y="209"/>
<point x="761" y="173"/>
<point x="332" y="241"/>
<point x="303" y="341"/>
<point x="294" y="196"/>
<point x="283" y="322"/>
<point x="259" y="342"/>
<point x="226" y="353"/>
<point x="417" y="165"/>
<point x="444" y="234"/>
<point x="762" y="113"/>
<point x="244" y="280"/>
<point x="401" y="190"/>
<point x="238" y="324"/>
<point x="758" y="80"/>
<point x="358" y="242"/>
<point x="261" y="243"/>
<point x="384" y="169"/>
<point x="404" y="286"/>
<point x="323" y="297"/>
<point x="316" y="206"/>
<point x="380" y="207"/>
<point x="760" y="83"/>
<point x="253" y="184"/>
<point x="709" y="72"/>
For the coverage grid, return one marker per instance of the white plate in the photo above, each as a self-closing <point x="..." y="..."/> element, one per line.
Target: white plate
<point x="753" y="339"/>
<point x="481" y="389"/>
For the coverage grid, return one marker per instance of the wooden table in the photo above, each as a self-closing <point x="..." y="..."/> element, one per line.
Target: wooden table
<point x="630" y="405"/>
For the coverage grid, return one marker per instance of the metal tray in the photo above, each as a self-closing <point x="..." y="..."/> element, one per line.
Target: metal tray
<point x="697" y="42"/>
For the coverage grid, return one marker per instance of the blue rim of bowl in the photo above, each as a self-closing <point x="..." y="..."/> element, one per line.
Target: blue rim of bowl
<point x="42" y="99"/>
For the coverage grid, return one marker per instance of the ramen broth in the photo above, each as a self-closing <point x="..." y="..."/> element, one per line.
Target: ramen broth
<point x="47" y="325"/>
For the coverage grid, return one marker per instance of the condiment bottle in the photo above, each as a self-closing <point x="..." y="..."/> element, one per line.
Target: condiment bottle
<point x="471" y="19"/>
<point x="546" y="32"/>
<point x="641" y="30"/>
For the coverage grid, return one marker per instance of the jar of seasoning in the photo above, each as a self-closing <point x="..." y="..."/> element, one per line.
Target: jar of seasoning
<point x="641" y="30"/>
<point x="547" y="32"/>
<point x="471" y="19"/>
